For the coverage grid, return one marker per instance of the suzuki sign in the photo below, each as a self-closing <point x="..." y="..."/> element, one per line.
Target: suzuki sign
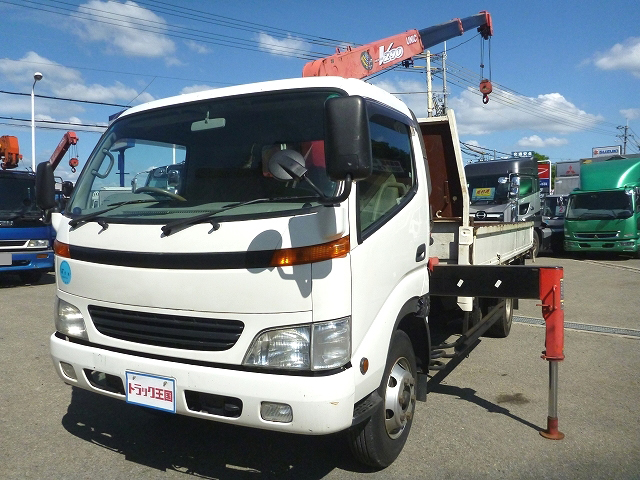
<point x="606" y="151"/>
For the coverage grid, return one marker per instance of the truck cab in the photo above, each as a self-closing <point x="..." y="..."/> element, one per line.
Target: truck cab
<point x="505" y="191"/>
<point x="280" y="280"/>
<point x="26" y="240"/>
<point x="604" y="214"/>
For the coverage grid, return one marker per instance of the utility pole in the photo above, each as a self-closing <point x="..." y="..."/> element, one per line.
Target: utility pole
<point x="429" y="92"/>
<point x="624" y="136"/>
<point x="444" y="79"/>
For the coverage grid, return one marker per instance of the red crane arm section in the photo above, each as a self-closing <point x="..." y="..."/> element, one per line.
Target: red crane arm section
<point x="360" y="62"/>
<point x="368" y="59"/>
<point x="68" y="139"/>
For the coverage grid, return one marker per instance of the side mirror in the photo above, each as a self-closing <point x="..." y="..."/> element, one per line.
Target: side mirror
<point x="45" y="186"/>
<point x="514" y="186"/>
<point x="67" y="188"/>
<point x="347" y="138"/>
<point x="173" y="178"/>
<point x="287" y="165"/>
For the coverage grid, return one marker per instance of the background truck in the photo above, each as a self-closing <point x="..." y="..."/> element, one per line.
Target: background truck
<point x="506" y="191"/>
<point x="553" y="210"/>
<point x="26" y="240"/>
<point x="604" y="214"/>
<point x="26" y="235"/>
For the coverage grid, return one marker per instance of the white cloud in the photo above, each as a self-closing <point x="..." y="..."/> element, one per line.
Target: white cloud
<point x="20" y="72"/>
<point x="534" y="141"/>
<point x="622" y="56"/>
<point x="117" y="93"/>
<point x="195" y="88"/>
<point x="197" y="47"/>
<point x="630" y="113"/>
<point x="546" y="113"/>
<point x="58" y="81"/>
<point x="125" y="27"/>
<point x="288" y="46"/>
<point x="417" y="102"/>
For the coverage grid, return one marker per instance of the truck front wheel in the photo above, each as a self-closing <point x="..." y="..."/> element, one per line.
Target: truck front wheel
<point x="379" y="440"/>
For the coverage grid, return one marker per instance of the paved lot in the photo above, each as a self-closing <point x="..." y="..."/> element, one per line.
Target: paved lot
<point x="482" y="422"/>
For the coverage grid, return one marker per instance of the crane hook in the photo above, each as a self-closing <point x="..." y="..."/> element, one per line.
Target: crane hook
<point x="73" y="163"/>
<point x="485" y="88"/>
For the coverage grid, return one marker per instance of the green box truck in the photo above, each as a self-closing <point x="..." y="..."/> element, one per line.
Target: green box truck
<point x="604" y="214"/>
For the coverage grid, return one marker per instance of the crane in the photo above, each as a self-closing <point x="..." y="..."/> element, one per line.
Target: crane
<point x="68" y="139"/>
<point x="360" y="62"/>
<point x="9" y="152"/>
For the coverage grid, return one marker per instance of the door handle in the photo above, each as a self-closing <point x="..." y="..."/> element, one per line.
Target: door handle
<point x="421" y="253"/>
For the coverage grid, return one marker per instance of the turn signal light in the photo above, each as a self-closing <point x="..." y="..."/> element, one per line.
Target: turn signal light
<point x="61" y="249"/>
<point x="314" y="253"/>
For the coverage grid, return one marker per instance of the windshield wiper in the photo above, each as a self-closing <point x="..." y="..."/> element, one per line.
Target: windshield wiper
<point x="170" y="227"/>
<point x="82" y="219"/>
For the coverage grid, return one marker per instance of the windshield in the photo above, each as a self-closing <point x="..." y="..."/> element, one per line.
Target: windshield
<point x="554" y="207"/>
<point x="486" y="189"/>
<point x="201" y="157"/>
<point x="599" y="205"/>
<point x="17" y="197"/>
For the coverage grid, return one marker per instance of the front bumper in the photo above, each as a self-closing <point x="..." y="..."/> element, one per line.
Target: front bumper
<point x="320" y="405"/>
<point x="618" y="246"/>
<point x="23" y="261"/>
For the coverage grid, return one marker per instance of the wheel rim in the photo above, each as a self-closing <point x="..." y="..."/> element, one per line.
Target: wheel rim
<point x="400" y="398"/>
<point x="508" y="311"/>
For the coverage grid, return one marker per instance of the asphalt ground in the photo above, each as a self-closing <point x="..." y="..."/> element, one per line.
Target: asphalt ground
<point x="481" y="422"/>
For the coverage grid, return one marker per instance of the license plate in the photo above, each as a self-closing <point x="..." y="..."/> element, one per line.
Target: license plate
<point x="5" y="259"/>
<point x="151" y="391"/>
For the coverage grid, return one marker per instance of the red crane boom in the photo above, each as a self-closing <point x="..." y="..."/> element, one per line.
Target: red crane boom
<point x="368" y="59"/>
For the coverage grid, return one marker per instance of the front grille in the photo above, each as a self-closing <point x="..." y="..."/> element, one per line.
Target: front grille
<point x="596" y="235"/>
<point x="12" y="243"/>
<point x="173" y="331"/>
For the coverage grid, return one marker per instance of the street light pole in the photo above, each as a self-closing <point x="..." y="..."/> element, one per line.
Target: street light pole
<point x="36" y="76"/>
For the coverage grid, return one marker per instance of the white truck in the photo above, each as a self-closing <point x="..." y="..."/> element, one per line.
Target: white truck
<point x="285" y="285"/>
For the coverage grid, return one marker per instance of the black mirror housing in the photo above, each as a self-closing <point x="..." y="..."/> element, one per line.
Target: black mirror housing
<point x="45" y="186"/>
<point x="347" y="138"/>
<point x="67" y="188"/>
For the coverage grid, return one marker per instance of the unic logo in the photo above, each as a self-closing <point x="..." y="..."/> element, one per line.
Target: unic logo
<point x="390" y="53"/>
<point x="412" y="39"/>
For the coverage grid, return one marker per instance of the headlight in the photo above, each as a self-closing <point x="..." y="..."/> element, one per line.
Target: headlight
<point x="305" y="347"/>
<point x="69" y="320"/>
<point x="38" y="244"/>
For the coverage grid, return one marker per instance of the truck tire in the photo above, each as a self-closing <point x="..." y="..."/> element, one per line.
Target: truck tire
<point x="30" y="277"/>
<point x="535" y="249"/>
<point x="502" y="327"/>
<point x="379" y="440"/>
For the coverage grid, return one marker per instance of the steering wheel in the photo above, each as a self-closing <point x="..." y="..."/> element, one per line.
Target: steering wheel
<point x="161" y="191"/>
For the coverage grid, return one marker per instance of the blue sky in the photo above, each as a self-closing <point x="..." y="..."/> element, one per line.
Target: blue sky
<point x="566" y="73"/>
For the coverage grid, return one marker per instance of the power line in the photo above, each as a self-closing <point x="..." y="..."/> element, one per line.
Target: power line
<point x="66" y="99"/>
<point x="175" y="31"/>
<point x="103" y="127"/>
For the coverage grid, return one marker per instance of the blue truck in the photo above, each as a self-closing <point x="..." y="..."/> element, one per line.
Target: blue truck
<point x="26" y="239"/>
